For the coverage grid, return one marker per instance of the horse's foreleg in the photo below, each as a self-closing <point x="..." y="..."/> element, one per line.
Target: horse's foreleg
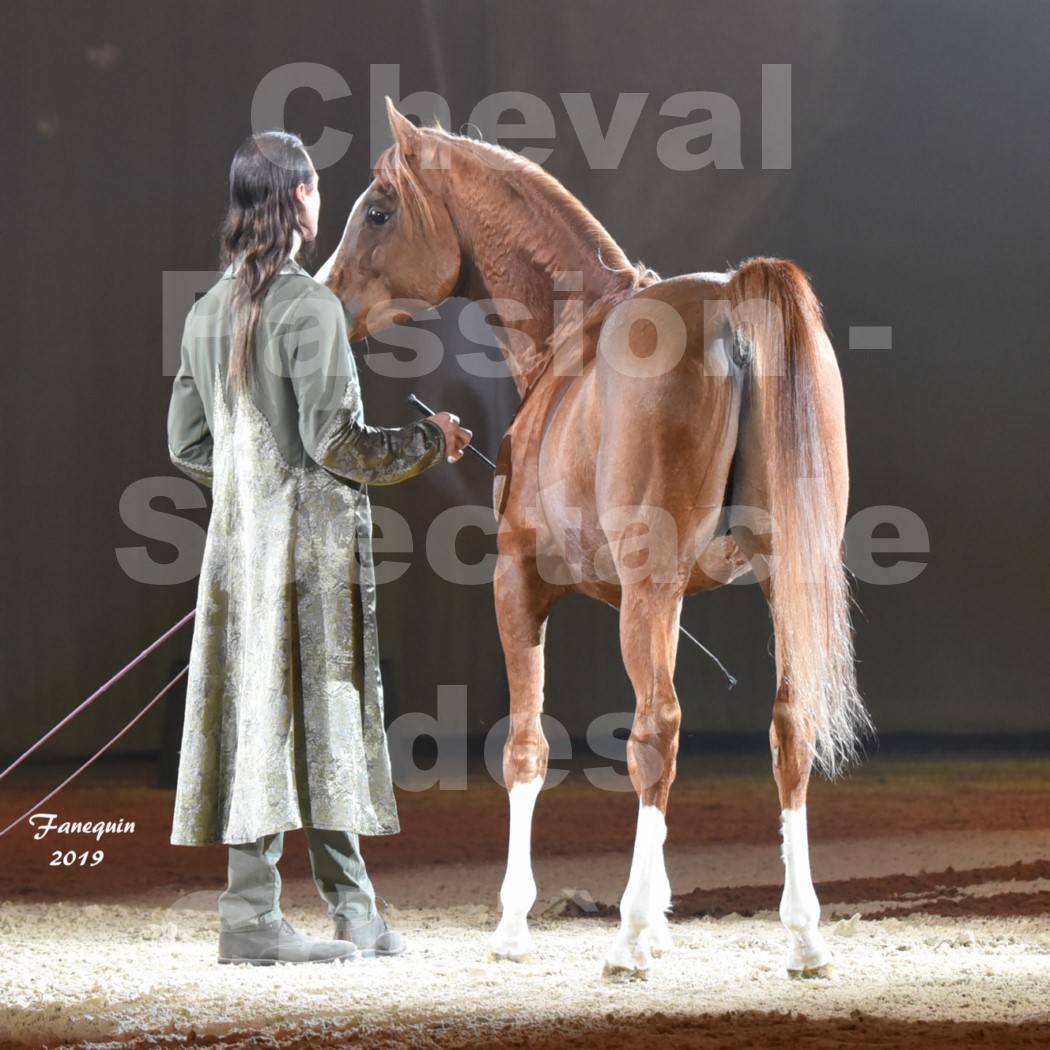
<point x="791" y="743"/>
<point x="648" y="638"/>
<point x="522" y="605"/>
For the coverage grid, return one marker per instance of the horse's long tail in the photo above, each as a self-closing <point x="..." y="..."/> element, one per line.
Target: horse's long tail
<point x="796" y="391"/>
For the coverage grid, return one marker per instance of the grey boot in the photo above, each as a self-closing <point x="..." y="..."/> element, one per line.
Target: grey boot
<point x="373" y="938"/>
<point x="278" y="942"/>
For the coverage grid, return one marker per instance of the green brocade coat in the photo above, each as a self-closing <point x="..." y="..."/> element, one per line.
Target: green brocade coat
<point x="284" y="708"/>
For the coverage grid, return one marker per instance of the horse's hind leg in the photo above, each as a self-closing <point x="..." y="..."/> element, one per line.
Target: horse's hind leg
<point x="649" y="639"/>
<point x="791" y="743"/>
<point x="523" y="602"/>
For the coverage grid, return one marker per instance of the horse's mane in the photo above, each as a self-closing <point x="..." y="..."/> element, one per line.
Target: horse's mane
<point x="394" y="172"/>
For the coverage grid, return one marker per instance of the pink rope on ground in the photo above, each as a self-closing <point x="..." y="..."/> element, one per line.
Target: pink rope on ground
<point x="98" y="692"/>
<point x="46" y="798"/>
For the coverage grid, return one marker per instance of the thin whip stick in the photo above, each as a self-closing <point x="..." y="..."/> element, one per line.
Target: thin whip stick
<point x="98" y="692"/>
<point x="100" y="751"/>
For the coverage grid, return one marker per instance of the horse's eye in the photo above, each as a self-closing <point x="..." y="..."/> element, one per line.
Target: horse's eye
<point x="376" y="216"/>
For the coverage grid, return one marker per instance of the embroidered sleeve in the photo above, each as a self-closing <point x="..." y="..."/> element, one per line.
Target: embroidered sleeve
<point x="331" y="420"/>
<point x="189" y="437"/>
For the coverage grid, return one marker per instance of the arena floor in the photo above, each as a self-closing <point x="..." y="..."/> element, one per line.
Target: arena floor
<point x="933" y="873"/>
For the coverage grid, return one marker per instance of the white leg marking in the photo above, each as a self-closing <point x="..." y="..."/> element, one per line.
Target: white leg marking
<point x="799" y="907"/>
<point x="645" y="902"/>
<point x="518" y="894"/>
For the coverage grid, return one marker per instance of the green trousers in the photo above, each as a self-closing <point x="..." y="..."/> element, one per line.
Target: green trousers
<point x="253" y="895"/>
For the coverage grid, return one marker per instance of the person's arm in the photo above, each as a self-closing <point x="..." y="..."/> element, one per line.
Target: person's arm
<point x="189" y="439"/>
<point x="331" y="420"/>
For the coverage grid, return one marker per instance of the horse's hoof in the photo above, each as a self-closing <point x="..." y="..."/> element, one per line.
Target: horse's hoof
<point x="813" y="973"/>
<point x="663" y="947"/>
<point x="494" y="957"/>
<point x="612" y="972"/>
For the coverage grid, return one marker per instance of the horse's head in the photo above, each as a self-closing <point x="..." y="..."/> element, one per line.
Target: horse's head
<point x="400" y="243"/>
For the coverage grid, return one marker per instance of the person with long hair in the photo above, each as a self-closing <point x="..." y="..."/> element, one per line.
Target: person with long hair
<point x="284" y="709"/>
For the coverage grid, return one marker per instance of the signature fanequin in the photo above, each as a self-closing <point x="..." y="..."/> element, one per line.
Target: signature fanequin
<point x="46" y="822"/>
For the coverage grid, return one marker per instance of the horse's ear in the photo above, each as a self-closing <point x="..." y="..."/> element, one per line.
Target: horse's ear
<point x="429" y="149"/>
<point x="405" y="133"/>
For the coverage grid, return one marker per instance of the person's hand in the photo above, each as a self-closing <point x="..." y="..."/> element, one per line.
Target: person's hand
<point x="456" y="437"/>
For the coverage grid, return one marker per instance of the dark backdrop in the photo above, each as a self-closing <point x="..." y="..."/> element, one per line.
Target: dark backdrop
<point x="916" y="199"/>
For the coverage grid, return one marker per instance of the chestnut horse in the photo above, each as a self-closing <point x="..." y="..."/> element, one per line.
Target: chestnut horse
<point x="672" y="435"/>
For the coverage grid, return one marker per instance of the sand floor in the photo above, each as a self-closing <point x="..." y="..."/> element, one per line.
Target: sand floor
<point x="934" y="877"/>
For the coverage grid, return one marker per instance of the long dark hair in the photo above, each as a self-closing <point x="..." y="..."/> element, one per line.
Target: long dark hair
<point x="258" y="233"/>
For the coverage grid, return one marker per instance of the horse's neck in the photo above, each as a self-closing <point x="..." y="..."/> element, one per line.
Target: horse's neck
<point x="521" y="312"/>
<point x="544" y="279"/>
